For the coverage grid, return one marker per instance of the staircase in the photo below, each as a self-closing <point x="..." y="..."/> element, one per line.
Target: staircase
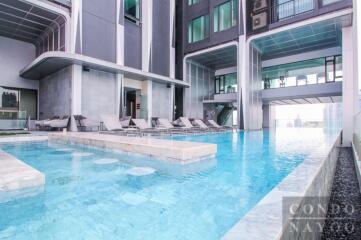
<point x="224" y="115"/>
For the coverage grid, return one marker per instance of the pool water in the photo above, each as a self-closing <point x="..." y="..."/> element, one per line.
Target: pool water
<point x="96" y="194"/>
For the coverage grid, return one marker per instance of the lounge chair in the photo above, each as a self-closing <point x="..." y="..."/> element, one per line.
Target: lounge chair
<point x="44" y="124"/>
<point x="84" y="124"/>
<point x="216" y="125"/>
<point x="186" y="123"/>
<point x="142" y="125"/>
<point x="203" y="126"/>
<point x="112" y="124"/>
<point x="59" y="123"/>
<point x="165" y="123"/>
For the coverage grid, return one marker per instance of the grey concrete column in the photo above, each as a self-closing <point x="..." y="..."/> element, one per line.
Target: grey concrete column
<point x="349" y="85"/>
<point x="120" y="95"/>
<point x="76" y="93"/>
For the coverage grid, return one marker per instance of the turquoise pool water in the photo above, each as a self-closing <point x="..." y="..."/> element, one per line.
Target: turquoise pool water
<point x="87" y="200"/>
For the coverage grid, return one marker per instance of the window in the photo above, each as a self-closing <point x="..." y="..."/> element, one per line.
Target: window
<point x="313" y="71"/>
<point x="290" y="8"/>
<point x="225" y="15"/>
<point x="191" y="2"/>
<point x="226" y="83"/>
<point x="198" y="29"/>
<point x="132" y="10"/>
<point x="18" y="103"/>
<point x="326" y="2"/>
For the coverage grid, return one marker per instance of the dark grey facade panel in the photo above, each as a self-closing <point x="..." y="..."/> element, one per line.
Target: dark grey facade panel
<point x="105" y="9"/>
<point x="132" y="45"/>
<point x="179" y="39"/>
<point x="99" y="29"/>
<point x="203" y="8"/>
<point x="161" y="37"/>
<point x="121" y="11"/>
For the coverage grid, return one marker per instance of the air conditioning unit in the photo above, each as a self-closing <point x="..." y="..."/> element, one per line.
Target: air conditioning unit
<point x="259" y="20"/>
<point x="259" y="4"/>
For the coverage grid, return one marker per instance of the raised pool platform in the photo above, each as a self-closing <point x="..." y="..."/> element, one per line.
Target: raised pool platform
<point x="174" y="151"/>
<point x="16" y="175"/>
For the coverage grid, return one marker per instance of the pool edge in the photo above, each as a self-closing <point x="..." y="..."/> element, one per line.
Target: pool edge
<point x="313" y="177"/>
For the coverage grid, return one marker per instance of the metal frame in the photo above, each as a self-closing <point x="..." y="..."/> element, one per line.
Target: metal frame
<point x="47" y="32"/>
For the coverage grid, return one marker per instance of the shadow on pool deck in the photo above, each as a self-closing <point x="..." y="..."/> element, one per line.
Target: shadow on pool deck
<point x="344" y="209"/>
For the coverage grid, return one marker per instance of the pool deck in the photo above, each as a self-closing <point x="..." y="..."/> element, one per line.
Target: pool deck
<point x="16" y="175"/>
<point x="174" y="151"/>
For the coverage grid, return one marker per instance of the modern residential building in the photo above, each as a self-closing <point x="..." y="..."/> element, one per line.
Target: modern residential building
<point x="87" y="57"/>
<point x="228" y="60"/>
<point x="242" y="58"/>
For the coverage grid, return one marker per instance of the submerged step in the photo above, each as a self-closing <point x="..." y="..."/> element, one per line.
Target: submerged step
<point x="16" y="175"/>
<point x="175" y="151"/>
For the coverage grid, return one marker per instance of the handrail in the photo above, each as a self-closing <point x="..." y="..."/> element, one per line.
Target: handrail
<point x="291" y="9"/>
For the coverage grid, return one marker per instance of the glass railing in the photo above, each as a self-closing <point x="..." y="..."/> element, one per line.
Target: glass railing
<point x="12" y="119"/>
<point x="286" y="9"/>
<point x="357" y="134"/>
<point x="296" y="81"/>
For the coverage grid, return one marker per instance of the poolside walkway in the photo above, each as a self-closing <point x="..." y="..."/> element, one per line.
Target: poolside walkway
<point x="344" y="223"/>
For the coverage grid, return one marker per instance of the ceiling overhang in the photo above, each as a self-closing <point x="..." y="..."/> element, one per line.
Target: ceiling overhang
<point x="51" y="62"/>
<point x="28" y="20"/>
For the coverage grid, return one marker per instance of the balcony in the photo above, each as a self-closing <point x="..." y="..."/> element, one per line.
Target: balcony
<point x="288" y="9"/>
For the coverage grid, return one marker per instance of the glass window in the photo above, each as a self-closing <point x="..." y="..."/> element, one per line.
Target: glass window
<point x="326" y="2"/>
<point x="307" y="72"/>
<point x="132" y="10"/>
<point x="226" y="83"/>
<point x="18" y="103"/>
<point x="225" y="16"/>
<point x="198" y="29"/>
<point x="191" y="2"/>
<point x="287" y="8"/>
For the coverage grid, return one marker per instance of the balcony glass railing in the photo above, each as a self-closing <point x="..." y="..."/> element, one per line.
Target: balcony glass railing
<point x="286" y="9"/>
<point x="315" y="71"/>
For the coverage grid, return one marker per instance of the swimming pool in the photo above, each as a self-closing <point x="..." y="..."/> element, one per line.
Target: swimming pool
<point x="85" y="198"/>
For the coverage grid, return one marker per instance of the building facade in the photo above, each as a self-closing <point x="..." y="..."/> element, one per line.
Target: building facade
<point x="273" y="53"/>
<point x="227" y="60"/>
<point x="87" y="57"/>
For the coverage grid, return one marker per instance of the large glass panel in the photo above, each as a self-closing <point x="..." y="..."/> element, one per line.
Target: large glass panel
<point x="198" y="29"/>
<point x="338" y="68"/>
<point x="330" y="70"/>
<point x="9" y="105"/>
<point x="28" y="103"/>
<point x="307" y="72"/>
<point x="226" y="83"/>
<point x="326" y="2"/>
<point x="191" y="2"/>
<point x="132" y="9"/>
<point x="225" y="15"/>
<point x="290" y="8"/>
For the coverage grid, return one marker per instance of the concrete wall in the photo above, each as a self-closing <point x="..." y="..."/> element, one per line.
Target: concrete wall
<point x="99" y="93"/>
<point x="162" y="101"/>
<point x="55" y="94"/>
<point x="14" y="56"/>
<point x="99" y="29"/>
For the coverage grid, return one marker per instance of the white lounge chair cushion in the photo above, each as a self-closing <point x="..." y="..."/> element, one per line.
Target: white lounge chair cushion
<point x="214" y="124"/>
<point x="165" y="123"/>
<point x="140" y="123"/>
<point x="59" y="123"/>
<point x="111" y="122"/>
<point x="200" y="123"/>
<point x="186" y="122"/>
